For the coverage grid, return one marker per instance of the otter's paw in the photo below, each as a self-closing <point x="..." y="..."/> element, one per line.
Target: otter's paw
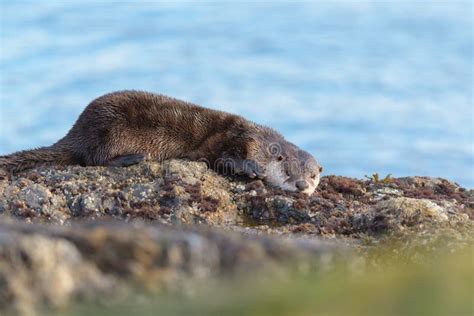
<point x="252" y="169"/>
<point x="126" y="160"/>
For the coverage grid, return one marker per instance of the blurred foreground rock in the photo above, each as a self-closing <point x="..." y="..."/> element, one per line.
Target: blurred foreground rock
<point x="73" y="233"/>
<point x="44" y="265"/>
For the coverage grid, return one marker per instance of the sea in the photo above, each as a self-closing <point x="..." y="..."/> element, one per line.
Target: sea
<point x="365" y="86"/>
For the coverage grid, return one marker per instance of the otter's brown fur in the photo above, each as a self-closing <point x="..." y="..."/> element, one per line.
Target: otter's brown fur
<point x="131" y="124"/>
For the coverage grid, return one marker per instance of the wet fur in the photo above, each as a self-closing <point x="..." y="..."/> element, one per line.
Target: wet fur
<point x="134" y="122"/>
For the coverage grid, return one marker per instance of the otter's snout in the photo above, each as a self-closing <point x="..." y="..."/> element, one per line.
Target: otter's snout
<point x="301" y="185"/>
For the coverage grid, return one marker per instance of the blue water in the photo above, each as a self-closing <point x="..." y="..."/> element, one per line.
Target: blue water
<point x="364" y="86"/>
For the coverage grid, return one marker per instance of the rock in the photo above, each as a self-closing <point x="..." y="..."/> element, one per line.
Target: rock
<point x="408" y="215"/>
<point x="188" y="171"/>
<point x="431" y="188"/>
<point x="154" y="225"/>
<point x="148" y="190"/>
<point x="38" y="270"/>
<point x="427" y="182"/>
<point x="187" y="192"/>
<point x="282" y="209"/>
<point x="384" y="192"/>
<point x="24" y="198"/>
<point x="43" y="265"/>
<point x="410" y="208"/>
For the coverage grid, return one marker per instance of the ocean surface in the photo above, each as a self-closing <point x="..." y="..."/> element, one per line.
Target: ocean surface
<point x="366" y="87"/>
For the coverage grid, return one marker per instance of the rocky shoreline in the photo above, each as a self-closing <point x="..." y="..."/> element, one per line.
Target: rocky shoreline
<point x="71" y="233"/>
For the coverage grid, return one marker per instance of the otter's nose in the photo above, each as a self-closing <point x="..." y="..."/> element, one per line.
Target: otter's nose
<point x="301" y="185"/>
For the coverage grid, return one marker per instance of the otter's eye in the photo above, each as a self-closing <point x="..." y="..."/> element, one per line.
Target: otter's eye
<point x="280" y="158"/>
<point x="320" y="169"/>
<point x="313" y="176"/>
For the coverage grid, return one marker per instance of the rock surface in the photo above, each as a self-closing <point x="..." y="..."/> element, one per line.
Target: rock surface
<point x="49" y="265"/>
<point x="73" y="233"/>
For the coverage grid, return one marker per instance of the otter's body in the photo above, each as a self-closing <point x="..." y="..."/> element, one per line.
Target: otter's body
<point x="122" y="128"/>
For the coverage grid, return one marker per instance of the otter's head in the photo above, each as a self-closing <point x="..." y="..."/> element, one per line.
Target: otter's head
<point x="290" y="168"/>
<point x="284" y="164"/>
<point x="280" y="163"/>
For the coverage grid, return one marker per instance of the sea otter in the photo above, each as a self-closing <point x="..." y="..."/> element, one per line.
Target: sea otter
<point x="123" y="128"/>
